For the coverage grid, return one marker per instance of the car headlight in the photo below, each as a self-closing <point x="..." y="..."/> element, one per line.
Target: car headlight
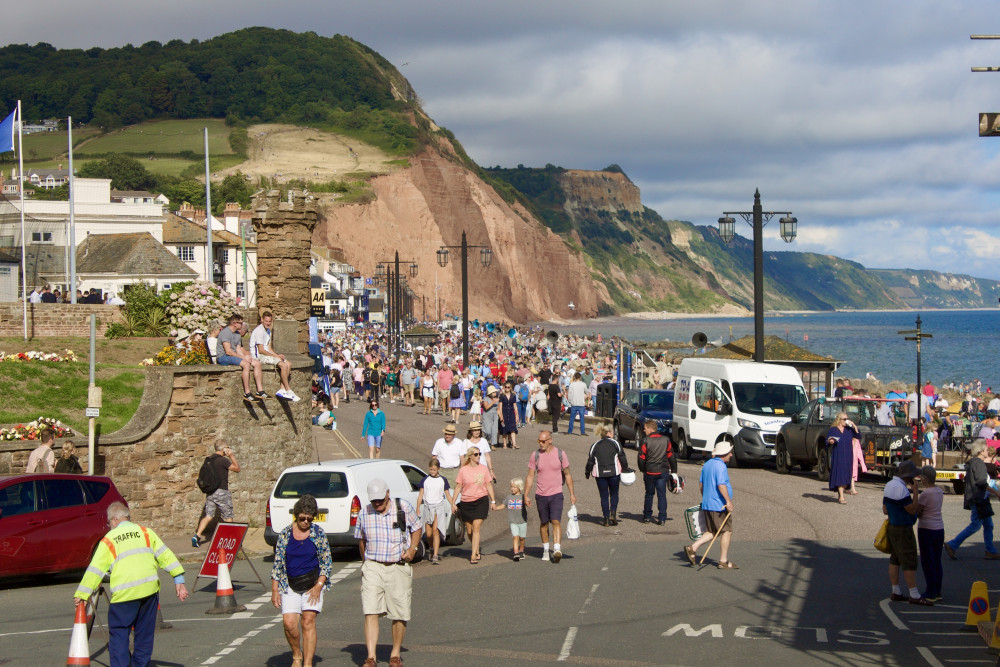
<point x="746" y="423"/>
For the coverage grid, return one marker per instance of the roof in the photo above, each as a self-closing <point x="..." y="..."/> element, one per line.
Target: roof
<point x="128" y="254"/>
<point x="775" y="349"/>
<point x="181" y="230"/>
<point x="132" y="193"/>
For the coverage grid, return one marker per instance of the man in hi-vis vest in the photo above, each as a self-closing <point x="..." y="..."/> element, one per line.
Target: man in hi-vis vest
<point x="131" y="553"/>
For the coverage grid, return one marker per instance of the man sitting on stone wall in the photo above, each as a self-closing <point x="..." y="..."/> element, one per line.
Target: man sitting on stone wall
<point x="233" y="354"/>
<point x="260" y="348"/>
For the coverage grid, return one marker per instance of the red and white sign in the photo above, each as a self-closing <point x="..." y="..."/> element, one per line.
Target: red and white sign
<point x="228" y="536"/>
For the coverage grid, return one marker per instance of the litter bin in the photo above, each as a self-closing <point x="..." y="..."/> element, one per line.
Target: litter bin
<point x="607" y="399"/>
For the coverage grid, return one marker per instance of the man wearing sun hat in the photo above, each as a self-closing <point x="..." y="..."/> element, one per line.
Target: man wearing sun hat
<point x="449" y="450"/>
<point x="716" y="505"/>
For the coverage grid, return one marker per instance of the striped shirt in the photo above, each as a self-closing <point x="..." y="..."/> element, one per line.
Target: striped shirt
<point x="384" y="542"/>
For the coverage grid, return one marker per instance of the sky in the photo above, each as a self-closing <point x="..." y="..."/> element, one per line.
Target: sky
<point x="858" y="117"/>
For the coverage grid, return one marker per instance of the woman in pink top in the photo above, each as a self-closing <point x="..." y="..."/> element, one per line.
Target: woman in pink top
<point x="930" y="532"/>
<point x="473" y="485"/>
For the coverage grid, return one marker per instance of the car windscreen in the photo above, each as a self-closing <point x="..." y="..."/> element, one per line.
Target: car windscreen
<point x="764" y="398"/>
<point x="318" y="483"/>
<point x="658" y="401"/>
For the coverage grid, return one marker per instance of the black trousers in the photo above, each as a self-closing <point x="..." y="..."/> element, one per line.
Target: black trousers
<point x="555" y="408"/>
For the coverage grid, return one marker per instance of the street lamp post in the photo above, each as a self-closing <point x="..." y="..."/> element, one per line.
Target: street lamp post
<point x="757" y="218"/>
<point x="486" y="258"/>
<point x="393" y="294"/>
<point x="917" y="335"/>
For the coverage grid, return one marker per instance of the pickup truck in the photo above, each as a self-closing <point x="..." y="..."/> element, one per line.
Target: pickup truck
<point x="802" y="441"/>
<point x="639" y="406"/>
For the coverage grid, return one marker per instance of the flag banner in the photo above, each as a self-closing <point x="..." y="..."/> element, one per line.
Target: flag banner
<point x="7" y="133"/>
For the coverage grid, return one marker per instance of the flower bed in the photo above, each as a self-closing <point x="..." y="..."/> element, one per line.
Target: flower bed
<point x="187" y="353"/>
<point x="31" y="430"/>
<point x="35" y="355"/>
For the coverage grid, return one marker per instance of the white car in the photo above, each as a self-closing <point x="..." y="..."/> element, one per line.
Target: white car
<point x="341" y="490"/>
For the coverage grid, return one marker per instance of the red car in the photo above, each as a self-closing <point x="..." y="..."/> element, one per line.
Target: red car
<point x="52" y="522"/>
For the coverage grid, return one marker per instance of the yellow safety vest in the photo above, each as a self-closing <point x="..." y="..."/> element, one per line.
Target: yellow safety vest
<point x="131" y="553"/>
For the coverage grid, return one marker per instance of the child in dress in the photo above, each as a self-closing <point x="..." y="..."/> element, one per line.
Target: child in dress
<point x="434" y="489"/>
<point x="476" y="409"/>
<point x="517" y="516"/>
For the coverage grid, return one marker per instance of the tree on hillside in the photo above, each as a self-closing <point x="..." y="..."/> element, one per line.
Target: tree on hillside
<point x="234" y="187"/>
<point x="126" y="173"/>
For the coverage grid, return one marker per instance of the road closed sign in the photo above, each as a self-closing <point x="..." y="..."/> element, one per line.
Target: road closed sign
<point x="228" y="536"/>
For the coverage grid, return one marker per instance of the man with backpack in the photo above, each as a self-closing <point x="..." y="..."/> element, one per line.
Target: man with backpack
<point x="552" y="468"/>
<point x="213" y="480"/>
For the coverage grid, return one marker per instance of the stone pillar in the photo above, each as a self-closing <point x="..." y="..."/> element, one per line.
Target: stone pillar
<point x="284" y="237"/>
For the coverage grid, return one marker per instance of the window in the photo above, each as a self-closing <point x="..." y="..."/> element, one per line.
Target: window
<point x="241" y="291"/>
<point x="41" y="237"/>
<point x="708" y="396"/>
<point x="17" y="499"/>
<point x="62" y="493"/>
<point x="413" y="476"/>
<point x="185" y="253"/>
<point x="165" y="286"/>
<point x="95" y="490"/>
<point x="225" y="255"/>
<point x="319" y="483"/>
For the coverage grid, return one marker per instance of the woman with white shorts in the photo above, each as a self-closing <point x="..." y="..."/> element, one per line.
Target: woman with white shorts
<point x="300" y="575"/>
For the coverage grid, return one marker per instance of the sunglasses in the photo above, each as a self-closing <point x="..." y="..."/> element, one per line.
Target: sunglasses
<point x="306" y="519"/>
<point x="477" y="454"/>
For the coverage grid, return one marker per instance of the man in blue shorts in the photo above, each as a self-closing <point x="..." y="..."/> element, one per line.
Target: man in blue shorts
<point x="233" y="354"/>
<point x="552" y="468"/>
<point x="716" y="505"/>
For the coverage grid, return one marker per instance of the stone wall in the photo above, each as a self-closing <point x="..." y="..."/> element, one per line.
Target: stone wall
<point x="284" y="239"/>
<point x="56" y="319"/>
<point x="184" y="411"/>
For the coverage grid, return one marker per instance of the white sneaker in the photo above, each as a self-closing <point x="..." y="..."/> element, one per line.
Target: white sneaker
<point x="556" y="555"/>
<point x="281" y="393"/>
<point x="295" y="397"/>
<point x="545" y="555"/>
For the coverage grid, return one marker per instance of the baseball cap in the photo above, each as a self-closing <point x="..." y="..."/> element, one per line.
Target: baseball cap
<point x="377" y="489"/>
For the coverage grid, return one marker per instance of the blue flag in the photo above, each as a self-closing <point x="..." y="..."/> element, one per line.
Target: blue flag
<point x="7" y="133"/>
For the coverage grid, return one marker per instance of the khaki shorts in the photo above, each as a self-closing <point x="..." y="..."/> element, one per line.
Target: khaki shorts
<point x="267" y="359"/>
<point x="386" y="590"/>
<point x="902" y="546"/>
<point x="713" y="521"/>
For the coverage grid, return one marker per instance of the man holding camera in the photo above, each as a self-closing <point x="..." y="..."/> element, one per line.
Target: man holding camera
<point x="223" y="462"/>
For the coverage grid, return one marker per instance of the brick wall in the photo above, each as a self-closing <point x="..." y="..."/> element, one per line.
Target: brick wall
<point x="184" y="411"/>
<point x="55" y="319"/>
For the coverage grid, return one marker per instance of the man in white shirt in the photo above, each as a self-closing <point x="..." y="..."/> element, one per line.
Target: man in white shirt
<point x="884" y="414"/>
<point x="35" y="296"/>
<point x="993" y="407"/>
<point x="260" y="349"/>
<point x="577" y="395"/>
<point x="448" y="451"/>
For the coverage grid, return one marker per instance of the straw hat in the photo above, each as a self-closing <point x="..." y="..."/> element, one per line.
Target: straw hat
<point x="476" y="426"/>
<point x="449" y="429"/>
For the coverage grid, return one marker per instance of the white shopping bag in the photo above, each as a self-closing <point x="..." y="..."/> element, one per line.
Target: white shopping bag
<point x="573" y="523"/>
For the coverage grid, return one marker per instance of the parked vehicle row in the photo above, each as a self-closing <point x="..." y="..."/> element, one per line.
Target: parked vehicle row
<point x="639" y="406"/>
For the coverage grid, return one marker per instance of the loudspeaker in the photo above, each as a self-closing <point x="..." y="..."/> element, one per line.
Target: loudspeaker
<point x="699" y="340"/>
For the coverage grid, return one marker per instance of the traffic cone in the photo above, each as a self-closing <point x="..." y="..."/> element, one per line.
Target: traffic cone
<point x="225" y="600"/>
<point x="979" y="605"/>
<point x="160" y="623"/>
<point x="79" y="648"/>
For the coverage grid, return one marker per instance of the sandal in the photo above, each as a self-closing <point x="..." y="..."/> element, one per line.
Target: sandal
<point x="691" y="555"/>
<point x="297" y="662"/>
<point x="728" y="565"/>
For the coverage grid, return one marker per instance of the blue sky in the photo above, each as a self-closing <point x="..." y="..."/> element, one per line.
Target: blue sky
<point x="859" y="117"/>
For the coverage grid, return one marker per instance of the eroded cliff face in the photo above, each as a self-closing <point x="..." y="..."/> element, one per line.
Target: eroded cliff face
<point x="600" y="190"/>
<point x="534" y="274"/>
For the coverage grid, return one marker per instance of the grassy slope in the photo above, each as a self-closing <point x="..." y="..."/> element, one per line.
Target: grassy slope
<point x="29" y="390"/>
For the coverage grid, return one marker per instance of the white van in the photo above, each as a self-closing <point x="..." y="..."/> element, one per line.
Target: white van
<point x="743" y="402"/>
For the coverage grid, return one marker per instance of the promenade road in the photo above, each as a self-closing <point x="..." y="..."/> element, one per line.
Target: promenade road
<point x="811" y="590"/>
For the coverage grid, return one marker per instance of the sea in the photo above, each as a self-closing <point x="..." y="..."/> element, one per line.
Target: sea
<point x="963" y="345"/>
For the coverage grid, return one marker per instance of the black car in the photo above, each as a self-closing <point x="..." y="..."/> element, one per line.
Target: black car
<point x="639" y="406"/>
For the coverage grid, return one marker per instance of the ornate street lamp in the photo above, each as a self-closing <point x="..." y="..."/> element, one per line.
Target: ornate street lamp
<point x="757" y="218"/>
<point x="485" y="258"/>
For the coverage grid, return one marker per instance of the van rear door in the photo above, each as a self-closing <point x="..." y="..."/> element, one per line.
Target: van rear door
<point x="706" y="422"/>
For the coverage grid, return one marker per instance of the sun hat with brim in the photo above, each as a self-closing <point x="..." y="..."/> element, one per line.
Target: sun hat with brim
<point x="475" y="426"/>
<point x="449" y="429"/>
<point x="492" y="390"/>
<point x="722" y="448"/>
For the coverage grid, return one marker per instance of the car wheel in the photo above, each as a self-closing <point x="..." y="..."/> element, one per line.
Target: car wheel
<point x="455" y="535"/>
<point x="782" y="462"/>
<point x="683" y="446"/>
<point x="640" y="437"/>
<point x="823" y="464"/>
<point x="618" y="434"/>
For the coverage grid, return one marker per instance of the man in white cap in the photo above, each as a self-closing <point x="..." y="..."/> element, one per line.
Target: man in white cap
<point x="449" y="451"/>
<point x="716" y="505"/>
<point x="388" y="532"/>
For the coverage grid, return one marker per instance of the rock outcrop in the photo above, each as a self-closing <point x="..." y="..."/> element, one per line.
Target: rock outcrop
<point x="534" y="275"/>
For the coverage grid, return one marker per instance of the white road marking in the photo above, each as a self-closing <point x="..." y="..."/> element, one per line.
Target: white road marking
<point x="567" y="644"/>
<point x="884" y="606"/>
<point x="929" y="657"/>
<point x="590" y="598"/>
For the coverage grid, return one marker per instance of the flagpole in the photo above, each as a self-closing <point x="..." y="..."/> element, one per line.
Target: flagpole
<point x="71" y="255"/>
<point x="24" y="257"/>
<point x="209" y="266"/>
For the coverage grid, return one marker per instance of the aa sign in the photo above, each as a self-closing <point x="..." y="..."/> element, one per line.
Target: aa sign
<point x="317" y="306"/>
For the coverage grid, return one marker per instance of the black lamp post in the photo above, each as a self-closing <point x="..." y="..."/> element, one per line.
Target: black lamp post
<point x="393" y="293"/>
<point x="757" y="218"/>
<point x="486" y="258"/>
<point x="917" y="335"/>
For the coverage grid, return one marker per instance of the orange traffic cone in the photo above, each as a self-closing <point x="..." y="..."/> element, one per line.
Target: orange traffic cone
<point x="79" y="648"/>
<point x="225" y="600"/>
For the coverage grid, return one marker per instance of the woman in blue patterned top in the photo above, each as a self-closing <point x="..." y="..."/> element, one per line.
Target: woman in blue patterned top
<point x="300" y="575"/>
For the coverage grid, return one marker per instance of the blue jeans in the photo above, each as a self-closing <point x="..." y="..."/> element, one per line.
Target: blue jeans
<point x="574" y="413"/>
<point x="122" y="616"/>
<point x="608" y="488"/>
<point x="974" y="524"/>
<point x="655" y="484"/>
<point x="522" y="409"/>
<point x="930" y="541"/>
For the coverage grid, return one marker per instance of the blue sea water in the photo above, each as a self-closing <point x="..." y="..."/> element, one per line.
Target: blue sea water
<point x="963" y="347"/>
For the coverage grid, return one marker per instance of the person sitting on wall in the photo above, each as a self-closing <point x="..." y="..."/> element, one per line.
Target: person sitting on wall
<point x="261" y="350"/>
<point x="233" y="354"/>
